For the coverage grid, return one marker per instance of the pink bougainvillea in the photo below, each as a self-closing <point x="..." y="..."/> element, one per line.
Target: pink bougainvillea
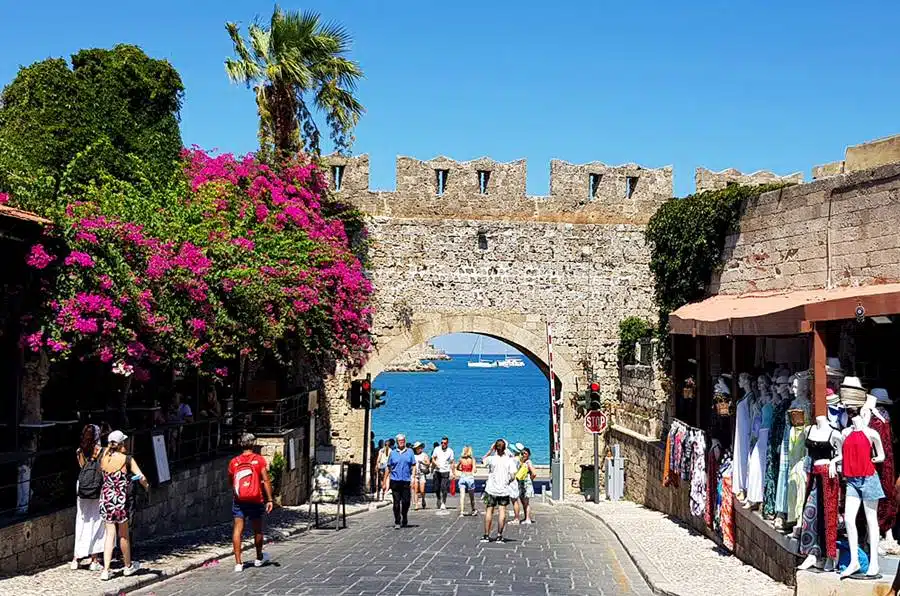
<point x="237" y="259"/>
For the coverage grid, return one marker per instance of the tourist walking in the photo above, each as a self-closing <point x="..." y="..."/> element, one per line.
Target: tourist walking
<point x="466" y="468"/>
<point x="423" y="464"/>
<point x="501" y="471"/>
<point x="117" y="500"/>
<point x="525" y="478"/>
<point x="89" y="527"/>
<point x="383" y="454"/>
<point x="400" y="467"/>
<point x="249" y="477"/>
<point x="442" y="460"/>
<point x="512" y="452"/>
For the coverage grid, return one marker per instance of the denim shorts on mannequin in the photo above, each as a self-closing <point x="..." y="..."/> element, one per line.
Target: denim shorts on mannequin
<point x="866" y="488"/>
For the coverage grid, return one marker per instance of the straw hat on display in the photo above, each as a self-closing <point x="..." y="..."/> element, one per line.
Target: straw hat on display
<point x="833" y="367"/>
<point x="881" y="397"/>
<point x="852" y="393"/>
<point x="832" y="398"/>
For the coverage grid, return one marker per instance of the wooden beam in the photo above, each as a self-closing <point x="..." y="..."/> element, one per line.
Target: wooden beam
<point x="820" y="407"/>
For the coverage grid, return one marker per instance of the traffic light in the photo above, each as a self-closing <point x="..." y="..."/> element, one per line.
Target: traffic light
<point x="594" y="397"/>
<point x="356" y="394"/>
<point x="366" y="392"/>
<point x="378" y="398"/>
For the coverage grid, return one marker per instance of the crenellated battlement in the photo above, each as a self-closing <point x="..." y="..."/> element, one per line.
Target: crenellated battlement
<point x="709" y="180"/>
<point x="483" y="187"/>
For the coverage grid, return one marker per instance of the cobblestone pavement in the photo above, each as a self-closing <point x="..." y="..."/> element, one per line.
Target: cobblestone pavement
<point x="564" y="552"/>
<point x="677" y="560"/>
<point x="159" y="558"/>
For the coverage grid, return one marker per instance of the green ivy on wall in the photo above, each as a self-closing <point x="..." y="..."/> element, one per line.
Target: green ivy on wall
<point x="687" y="236"/>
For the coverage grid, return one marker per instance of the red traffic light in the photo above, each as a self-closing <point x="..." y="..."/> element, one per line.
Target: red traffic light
<point x="366" y="385"/>
<point x="595" y="386"/>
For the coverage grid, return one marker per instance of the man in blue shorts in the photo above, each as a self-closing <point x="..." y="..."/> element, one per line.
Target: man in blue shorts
<point x="249" y="475"/>
<point x="400" y="466"/>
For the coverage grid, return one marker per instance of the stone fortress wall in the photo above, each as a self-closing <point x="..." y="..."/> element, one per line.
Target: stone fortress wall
<point x="460" y="246"/>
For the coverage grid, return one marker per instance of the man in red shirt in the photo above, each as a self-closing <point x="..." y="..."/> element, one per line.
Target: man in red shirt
<point x="248" y="475"/>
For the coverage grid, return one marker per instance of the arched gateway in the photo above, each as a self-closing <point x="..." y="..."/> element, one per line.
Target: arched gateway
<point x="460" y="247"/>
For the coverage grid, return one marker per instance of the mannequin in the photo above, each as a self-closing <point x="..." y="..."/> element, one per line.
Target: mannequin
<point x="756" y="471"/>
<point x="797" y="476"/>
<point x="819" y="544"/>
<point x="863" y="487"/>
<point x="742" y="426"/>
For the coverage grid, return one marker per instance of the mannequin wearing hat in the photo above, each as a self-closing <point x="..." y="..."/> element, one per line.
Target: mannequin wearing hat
<point x="818" y="525"/>
<point x="756" y="470"/>
<point x="742" y="430"/>
<point x="863" y="485"/>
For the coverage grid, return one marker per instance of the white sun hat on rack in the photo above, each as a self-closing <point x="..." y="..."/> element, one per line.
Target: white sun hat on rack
<point x="852" y="392"/>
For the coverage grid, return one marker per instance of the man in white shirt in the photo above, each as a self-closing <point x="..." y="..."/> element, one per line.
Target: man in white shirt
<point x="442" y="461"/>
<point x="501" y="471"/>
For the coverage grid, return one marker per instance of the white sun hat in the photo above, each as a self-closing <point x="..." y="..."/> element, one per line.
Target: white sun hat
<point x="852" y="392"/>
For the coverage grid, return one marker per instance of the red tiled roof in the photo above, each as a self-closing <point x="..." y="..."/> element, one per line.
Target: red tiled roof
<point x="7" y="211"/>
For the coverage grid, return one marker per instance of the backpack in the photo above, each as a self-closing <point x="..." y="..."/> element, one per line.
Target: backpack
<point x="90" y="479"/>
<point x="247" y="487"/>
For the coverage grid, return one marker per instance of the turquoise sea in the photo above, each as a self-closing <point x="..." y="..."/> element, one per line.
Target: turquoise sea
<point x="471" y="406"/>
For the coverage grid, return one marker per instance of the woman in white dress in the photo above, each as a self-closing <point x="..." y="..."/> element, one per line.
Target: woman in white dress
<point x="90" y="531"/>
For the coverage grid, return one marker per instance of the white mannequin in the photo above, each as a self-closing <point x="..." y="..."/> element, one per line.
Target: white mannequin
<point x="822" y="431"/>
<point x="756" y="469"/>
<point x="800" y="392"/>
<point x="743" y="422"/>
<point x="870" y="507"/>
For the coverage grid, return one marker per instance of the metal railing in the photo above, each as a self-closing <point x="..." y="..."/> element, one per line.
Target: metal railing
<point x="43" y="481"/>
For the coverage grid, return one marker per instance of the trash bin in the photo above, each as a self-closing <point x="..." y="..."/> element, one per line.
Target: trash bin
<point x="586" y="482"/>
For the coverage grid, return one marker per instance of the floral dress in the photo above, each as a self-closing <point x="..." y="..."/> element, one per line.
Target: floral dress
<point x="114" y="502"/>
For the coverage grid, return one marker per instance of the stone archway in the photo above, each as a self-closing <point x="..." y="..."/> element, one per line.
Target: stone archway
<point x="531" y="343"/>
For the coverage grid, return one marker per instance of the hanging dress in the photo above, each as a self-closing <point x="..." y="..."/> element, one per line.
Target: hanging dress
<point x="726" y="511"/>
<point x="818" y="525"/>
<point x="887" y="507"/>
<point x="741" y="454"/>
<point x="712" y="482"/>
<point x="756" y="473"/>
<point x="797" y="479"/>
<point x="698" y="474"/>
<point x="774" y="461"/>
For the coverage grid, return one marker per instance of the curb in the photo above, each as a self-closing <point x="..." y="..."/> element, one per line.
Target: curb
<point x="278" y="536"/>
<point x="658" y="582"/>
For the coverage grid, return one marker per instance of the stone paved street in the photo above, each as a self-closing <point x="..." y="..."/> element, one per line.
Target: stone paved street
<point x="565" y="552"/>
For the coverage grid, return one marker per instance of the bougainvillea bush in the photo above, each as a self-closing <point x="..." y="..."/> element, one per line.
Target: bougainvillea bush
<point x="234" y="258"/>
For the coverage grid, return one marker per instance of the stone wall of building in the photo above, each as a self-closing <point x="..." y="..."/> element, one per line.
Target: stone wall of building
<point x="862" y="157"/>
<point x="294" y="483"/>
<point x="195" y="498"/>
<point x="755" y="543"/>
<point x="642" y="402"/>
<point x="709" y="180"/>
<point x="484" y="257"/>
<point x="836" y="231"/>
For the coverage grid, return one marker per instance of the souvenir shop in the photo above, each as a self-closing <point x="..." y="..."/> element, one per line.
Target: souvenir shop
<point x="783" y="417"/>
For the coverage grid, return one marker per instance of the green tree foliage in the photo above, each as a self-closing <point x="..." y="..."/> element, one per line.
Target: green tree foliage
<point x="114" y="113"/>
<point x="687" y="236"/>
<point x="631" y="331"/>
<point x="296" y="65"/>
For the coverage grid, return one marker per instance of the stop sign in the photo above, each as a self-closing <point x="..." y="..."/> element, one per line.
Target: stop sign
<point x="595" y="422"/>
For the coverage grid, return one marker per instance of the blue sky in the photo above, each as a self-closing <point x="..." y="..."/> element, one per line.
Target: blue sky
<point x="752" y="85"/>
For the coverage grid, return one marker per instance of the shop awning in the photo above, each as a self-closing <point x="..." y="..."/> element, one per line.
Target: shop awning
<point x="782" y="313"/>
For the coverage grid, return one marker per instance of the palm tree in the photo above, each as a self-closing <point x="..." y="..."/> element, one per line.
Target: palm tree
<point x="297" y="65"/>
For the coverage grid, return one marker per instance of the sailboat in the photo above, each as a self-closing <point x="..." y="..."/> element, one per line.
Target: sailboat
<point x="510" y="361"/>
<point x="480" y="363"/>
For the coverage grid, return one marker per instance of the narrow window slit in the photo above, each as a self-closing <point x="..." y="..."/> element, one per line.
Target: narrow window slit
<point x="630" y="186"/>
<point x="594" y="185"/>
<point x="441" y="177"/>
<point x="482" y="241"/>
<point x="337" y="176"/>
<point x="483" y="177"/>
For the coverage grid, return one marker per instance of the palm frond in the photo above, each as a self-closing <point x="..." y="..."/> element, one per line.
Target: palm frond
<point x="259" y="41"/>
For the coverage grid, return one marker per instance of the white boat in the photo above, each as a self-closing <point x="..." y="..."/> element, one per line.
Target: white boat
<point x="511" y="362"/>
<point x="480" y="363"/>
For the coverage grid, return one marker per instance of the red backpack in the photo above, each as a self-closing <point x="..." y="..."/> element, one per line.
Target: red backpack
<point x="247" y="487"/>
